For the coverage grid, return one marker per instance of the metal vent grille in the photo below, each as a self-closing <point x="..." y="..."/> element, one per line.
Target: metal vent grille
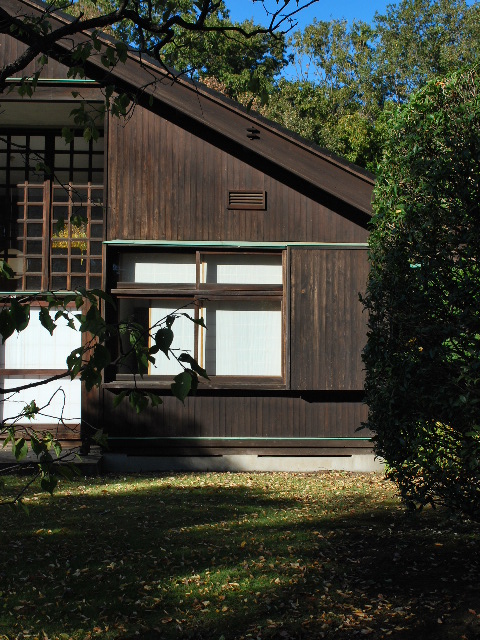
<point x="247" y="200"/>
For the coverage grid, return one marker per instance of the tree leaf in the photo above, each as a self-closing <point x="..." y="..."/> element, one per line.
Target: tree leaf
<point x="119" y="397"/>
<point x="164" y="339"/>
<point x="46" y="320"/>
<point x="182" y="385"/>
<point x="186" y="357"/>
<point x="20" y="449"/>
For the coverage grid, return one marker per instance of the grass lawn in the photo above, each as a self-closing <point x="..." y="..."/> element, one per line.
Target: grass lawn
<point x="231" y="556"/>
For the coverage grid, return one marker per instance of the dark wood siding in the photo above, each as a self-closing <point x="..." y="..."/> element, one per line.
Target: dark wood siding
<point x="243" y="419"/>
<point x="327" y="322"/>
<point x="11" y="49"/>
<point x="167" y="183"/>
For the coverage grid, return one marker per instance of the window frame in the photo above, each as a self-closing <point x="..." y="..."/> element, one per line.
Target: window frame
<point x="198" y="293"/>
<point x="36" y="200"/>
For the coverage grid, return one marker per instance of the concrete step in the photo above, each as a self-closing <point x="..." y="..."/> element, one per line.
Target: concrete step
<point x="88" y="465"/>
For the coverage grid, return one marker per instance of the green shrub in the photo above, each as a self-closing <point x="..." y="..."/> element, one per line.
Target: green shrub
<point x="423" y="297"/>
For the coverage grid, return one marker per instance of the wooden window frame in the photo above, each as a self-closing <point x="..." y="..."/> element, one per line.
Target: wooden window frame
<point x="21" y="205"/>
<point x="198" y="294"/>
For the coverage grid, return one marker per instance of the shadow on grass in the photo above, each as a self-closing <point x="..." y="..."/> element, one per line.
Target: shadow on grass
<point x="159" y="560"/>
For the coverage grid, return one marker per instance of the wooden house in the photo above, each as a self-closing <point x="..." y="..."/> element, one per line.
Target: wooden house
<point x="194" y="202"/>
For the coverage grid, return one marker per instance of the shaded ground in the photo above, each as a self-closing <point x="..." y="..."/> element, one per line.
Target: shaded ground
<point x="206" y="556"/>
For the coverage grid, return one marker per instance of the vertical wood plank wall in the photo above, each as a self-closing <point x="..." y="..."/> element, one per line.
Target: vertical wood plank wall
<point x="234" y="423"/>
<point x="11" y="49"/>
<point x="327" y="323"/>
<point x="175" y="187"/>
<point x="166" y="181"/>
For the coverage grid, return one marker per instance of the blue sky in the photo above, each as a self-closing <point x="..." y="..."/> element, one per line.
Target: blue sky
<point x="322" y="10"/>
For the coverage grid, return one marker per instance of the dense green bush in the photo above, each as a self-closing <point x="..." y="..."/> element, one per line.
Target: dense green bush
<point x="423" y="297"/>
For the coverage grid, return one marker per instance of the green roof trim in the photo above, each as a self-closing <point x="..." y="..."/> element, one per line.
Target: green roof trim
<point x="232" y="244"/>
<point x="207" y="438"/>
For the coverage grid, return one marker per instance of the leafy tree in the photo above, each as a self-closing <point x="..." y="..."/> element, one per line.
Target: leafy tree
<point x="140" y="346"/>
<point x="419" y="39"/>
<point x="423" y="298"/>
<point x="354" y="73"/>
<point x="243" y="57"/>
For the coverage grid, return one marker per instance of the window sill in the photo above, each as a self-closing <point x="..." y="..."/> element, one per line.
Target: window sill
<point x="215" y="383"/>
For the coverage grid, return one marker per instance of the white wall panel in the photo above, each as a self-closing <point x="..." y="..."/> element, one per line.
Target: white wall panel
<point x="63" y="398"/>
<point x="34" y="348"/>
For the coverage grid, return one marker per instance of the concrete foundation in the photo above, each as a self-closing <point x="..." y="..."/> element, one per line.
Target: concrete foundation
<point x="122" y="463"/>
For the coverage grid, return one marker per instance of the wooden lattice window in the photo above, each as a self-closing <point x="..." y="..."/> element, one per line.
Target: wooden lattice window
<point x="51" y="210"/>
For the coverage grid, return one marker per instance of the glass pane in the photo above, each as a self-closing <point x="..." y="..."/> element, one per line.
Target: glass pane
<point x="59" y="283"/>
<point x="81" y="144"/>
<point x="34" y="264"/>
<point x="17" y="160"/>
<point x="35" y="230"/>
<point x="34" y="347"/>
<point x="17" y="177"/>
<point x="184" y="336"/>
<point x="80" y="177"/>
<point x="60" y="194"/>
<point x="35" y="177"/>
<point x="77" y="282"/>
<point x="163" y="268"/>
<point x="97" y="161"/>
<point x="243" y="338"/>
<point x="79" y="266"/>
<point x="37" y="142"/>
<point x="96" y="248"/>
<point x="59" y="265"/>
<point x="59" y="247"/>
<point x="96" y="231"/>
<point x="79" y="195"/>
<point x="80" y="161"/>
<point x="35" y="194"/>
<point x="35" y="247"/>
<point x="241" y="269"/>
<point x="60" y="144"/>
<point x="97" y="213"/>
<point x="62" y="177"/>
<point x="47" y="395"/>
<point x="97" y="145"/>
<point x="95" y="266"/>
<point x="62" y="161"/>
<point x="33" y="283"/>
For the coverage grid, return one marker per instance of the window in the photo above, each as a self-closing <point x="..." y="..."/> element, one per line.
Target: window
<point x="239" y="296"/>
<point x="28" y="357"/>
<point x="45" y="181"/>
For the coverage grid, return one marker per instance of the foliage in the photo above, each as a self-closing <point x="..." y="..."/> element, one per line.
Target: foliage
<point x="328" y="555"/>
<point x="88" y="362"/>
<point x="242" y="56"/>
<point x="423" y="298"/>
<point x="350" y="75"/>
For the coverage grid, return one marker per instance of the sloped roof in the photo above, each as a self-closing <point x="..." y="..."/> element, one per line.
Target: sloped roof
<point x="153" y="86"/>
